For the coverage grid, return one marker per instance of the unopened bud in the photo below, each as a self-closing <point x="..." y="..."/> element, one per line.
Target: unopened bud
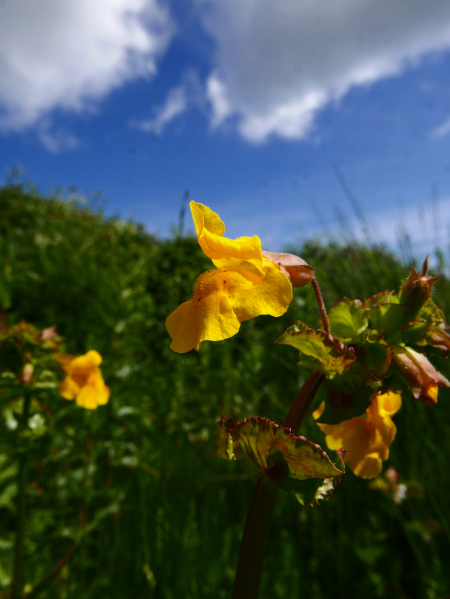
<point x="438" y="338"/>
<point x="416" y="290"/>
<point x="419" y="374"/>
<point x="295" y="268"/>
<point x="27" y="373"/>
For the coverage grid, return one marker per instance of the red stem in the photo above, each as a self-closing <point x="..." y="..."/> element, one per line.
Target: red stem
<point x="321" y="304"/>
<point x="254" y="539"/>
<point x="301" y="404"/>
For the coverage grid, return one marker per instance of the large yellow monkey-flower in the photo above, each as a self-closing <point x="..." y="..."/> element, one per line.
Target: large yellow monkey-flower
<point x="245" y="284"/>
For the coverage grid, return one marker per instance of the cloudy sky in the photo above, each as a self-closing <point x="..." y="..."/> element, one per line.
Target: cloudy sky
<point x="291" y="119"/>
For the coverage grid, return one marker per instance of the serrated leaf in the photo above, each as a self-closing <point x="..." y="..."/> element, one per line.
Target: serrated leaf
<point x="348" y="320"/>
<point x="330" y="353"/>
<point x="433" y="311"/>
<point x="262" y="447"/>
<point x="382" y="297"/>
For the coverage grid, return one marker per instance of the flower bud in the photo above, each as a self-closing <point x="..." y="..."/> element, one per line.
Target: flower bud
<point x="27" y="373"/>
<point x="416" y="290"/>
<point x="438" y="338"/>
<point x="295" y="268"/>
<point x="419" y="374"/>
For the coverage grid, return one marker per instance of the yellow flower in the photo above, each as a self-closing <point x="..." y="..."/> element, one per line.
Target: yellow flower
<point x="222" y="299"/>
<point x="244" y="286"/>
<point x="366" y="438"/>
<point x="84" y="381"/>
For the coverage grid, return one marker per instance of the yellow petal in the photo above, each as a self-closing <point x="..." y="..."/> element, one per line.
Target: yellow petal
<point x="272" y="295"/>
<point x="222" y="251"/>
<point x="366" y="440"/>
<point x="85" y="362"/>
<point x="319" y="411"/>
<point x="104" y="396"/>
<point x="88" y="398"/>
<point x="389" y="402"/>
<point x="205" y="218"/>
<point x="204" y="318"/>
<point x="68" y="388"/>
<point x="368" y="467"/>
<point x="222" y="299"/>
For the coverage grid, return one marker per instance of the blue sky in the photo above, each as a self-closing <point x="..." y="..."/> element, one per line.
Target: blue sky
<point x="252" y="106"/>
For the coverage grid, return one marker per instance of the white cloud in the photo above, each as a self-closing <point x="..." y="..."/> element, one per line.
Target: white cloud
<point x="278" y="63"/>
<point x="442" y="130"/>
<point x="178" y="99"/>
<point x="174" y="105"/>
<point x="56" y="139"/>
<point x="68" y="53"/>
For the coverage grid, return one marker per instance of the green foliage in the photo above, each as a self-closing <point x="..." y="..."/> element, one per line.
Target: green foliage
<point x="137" y="488"/>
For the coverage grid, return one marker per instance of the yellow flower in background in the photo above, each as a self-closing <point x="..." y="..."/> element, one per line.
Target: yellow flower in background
<point x="245" y="285"/>
<point x="366" y="438"/>
<point x="84" y="381"/>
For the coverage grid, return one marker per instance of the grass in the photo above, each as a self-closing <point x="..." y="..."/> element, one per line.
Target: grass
<point x="137" y="487"/>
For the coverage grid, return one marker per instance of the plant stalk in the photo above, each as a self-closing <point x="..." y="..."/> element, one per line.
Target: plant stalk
<point x="321" y="304"/>
<point x="301" y="404"/>
<point x="254" y="539"/>
<point x="256" y="530"/>
<point x="3" y="326"/>
<point x="17" y="588"/>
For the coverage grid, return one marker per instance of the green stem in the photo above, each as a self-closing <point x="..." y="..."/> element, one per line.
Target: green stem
<point x="301" y="404"/>
<point x="17" y="588"/>
<point x="254" y="539"/>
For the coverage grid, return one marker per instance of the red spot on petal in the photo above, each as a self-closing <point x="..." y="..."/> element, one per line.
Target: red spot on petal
<point x="224" y="281"/>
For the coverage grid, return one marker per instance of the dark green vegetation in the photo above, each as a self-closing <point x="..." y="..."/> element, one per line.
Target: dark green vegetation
<point x="136" y="487"/>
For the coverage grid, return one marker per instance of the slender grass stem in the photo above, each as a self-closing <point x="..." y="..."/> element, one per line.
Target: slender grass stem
<point x="46" y="581"/>
<point x="17" y="587"/>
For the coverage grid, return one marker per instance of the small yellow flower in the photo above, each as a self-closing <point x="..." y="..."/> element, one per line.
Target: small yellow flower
<point x="84" y="381"/>
<point x="366" y="438"/>
<point x="244" y="285"/>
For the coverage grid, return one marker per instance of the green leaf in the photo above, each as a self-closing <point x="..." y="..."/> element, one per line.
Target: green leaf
<point x="330" y="353"/>
<point x="379" y="298"/>
<point x="262" y="447"/>
<point x="415" y="332"/>
<point x="389" y="319"/>
<point x="348" y="320"/>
